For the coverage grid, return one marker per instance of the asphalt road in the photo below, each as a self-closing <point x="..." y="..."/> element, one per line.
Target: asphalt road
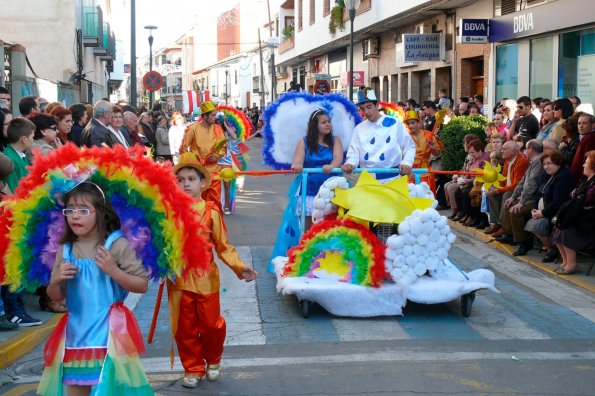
<point x="537" y="337"/>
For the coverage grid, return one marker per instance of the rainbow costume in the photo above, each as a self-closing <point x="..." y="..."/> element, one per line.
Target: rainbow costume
<point x="98" y="342"/>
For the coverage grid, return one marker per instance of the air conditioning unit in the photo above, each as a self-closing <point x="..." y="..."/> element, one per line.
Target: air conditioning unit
<point x="371" y="48"/>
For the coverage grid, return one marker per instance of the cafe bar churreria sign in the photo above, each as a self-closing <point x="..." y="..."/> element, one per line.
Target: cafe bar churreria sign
<point x="557" y="15"/>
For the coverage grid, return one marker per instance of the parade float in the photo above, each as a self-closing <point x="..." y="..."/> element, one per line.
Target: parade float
<point x="373" y="246"/>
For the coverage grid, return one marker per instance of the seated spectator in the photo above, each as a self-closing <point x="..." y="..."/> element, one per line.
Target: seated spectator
<point x="553" y="190"/>
<point x="524" y="124"/>
<point x="452" y="186"/>
<point x="550" y="144"/>
<point x="490" y="130"/>
<point x="562" y="111"/>
<point x="471" y="210"/>
<point x="548" y="122"/>
<point x="586" y="123"/>
<point x="520" y="204"/>
<point x="570" y="140"/>
<point x="581" y="234"/>
<point x="497" y="141"/>
<point x="515" y="166"/>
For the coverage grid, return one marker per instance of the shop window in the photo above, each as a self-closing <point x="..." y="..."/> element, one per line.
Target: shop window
<point x="576" y="62"/>
<point x="507" y="71"/>
<point x="540" y="72"/>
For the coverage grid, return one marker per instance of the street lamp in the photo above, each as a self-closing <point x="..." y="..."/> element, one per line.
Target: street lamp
<point x="226" y="83"/>
<point x="151" y="28"/>
<point x="351" y="6"/>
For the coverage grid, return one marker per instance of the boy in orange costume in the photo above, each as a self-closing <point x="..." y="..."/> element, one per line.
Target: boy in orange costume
<point x="206" y="139"/>
<point x="196" y="321"/>
<point x="426" y="146"/>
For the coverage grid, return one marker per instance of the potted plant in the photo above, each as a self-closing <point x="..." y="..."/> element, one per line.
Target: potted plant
<point x="288" y="31"/>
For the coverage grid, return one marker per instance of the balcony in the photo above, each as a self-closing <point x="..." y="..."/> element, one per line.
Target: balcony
<point x="92" y="26"/>
<point x="107" y="50"/>
<point x="286" y="44"/>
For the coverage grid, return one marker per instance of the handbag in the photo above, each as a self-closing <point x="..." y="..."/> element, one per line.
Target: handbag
<point x="568" y="214"/>
<point x="475" y="195"/>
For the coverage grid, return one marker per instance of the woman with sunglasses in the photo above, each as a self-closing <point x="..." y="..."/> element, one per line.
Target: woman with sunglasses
<point x="562" y="111"/>
<point x="548" y="122"/>
<point x="45" y="137"/>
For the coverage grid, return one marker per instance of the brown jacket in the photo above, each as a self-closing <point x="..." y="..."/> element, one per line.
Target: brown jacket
<point x="6" y="168"/>
<point x="515" y="173"/>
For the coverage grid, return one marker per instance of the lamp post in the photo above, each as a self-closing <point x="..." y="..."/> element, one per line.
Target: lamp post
<point x="351" y="6"/>
<point x="151" y="28"/>
<point x="226" y="83"/>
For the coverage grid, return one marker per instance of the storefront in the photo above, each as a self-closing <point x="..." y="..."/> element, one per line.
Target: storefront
<point x="545" y="51"/>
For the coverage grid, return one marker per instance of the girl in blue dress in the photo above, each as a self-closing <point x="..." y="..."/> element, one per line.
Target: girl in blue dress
<point x="96" y="346"/>
<point x="318" y="149"/>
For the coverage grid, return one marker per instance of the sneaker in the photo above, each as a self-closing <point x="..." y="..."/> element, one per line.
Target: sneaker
<point x="191" y="381"/>
<point x="227" y="211"/>
<point x="6" y="325"/>
<point x="212" y="372"/>
<point x="25" y="320"/>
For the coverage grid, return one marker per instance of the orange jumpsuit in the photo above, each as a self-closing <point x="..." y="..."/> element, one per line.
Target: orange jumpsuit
<point x="197" y="325"/>
<point x="201" y="141"/>
<point x="423" y="153"/>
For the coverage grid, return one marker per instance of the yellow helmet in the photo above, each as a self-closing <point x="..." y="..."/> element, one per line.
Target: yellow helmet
<point x="411" y="115"/>
<point x="207" y="107"/>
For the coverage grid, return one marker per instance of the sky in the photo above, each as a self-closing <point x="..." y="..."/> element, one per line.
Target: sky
<point x="172" y="20"/>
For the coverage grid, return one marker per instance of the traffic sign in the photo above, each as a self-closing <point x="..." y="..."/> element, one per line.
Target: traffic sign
<point x="322" y="87"/>
<point x="152" y="81"/>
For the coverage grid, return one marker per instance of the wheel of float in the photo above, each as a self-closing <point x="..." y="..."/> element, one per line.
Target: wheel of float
<point x="305" y="306"/>
<point x="467" y="303"/>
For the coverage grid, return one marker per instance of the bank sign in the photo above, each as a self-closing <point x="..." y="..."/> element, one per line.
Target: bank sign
<point x="474" y="31"/>
<point x="423" y="47"/>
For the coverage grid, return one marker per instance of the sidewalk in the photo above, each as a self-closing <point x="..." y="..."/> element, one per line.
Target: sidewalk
<point x="534" y="257"/>
<point x="17" y="343"/>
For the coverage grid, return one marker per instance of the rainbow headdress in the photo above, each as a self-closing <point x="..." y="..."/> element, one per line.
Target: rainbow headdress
<point x="157" y="218"/>
<point x="393" y="110"/>
<point x="238" y="120"/>
<point x="340" y="250"/>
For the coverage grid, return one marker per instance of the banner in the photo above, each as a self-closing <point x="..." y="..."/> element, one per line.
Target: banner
<point x="191" y="100"/>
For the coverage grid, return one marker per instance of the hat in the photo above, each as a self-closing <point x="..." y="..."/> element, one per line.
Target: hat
<point x="190" y="160"/>
<point x="207" y="107"/>
<point x="366" y="95"/>
<point x="411" y="115"/>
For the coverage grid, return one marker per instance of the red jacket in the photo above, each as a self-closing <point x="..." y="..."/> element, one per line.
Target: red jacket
<point x="586" y="145"/>
<point x="516" y="173"/>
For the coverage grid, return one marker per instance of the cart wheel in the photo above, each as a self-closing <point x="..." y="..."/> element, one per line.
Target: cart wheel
<point x="305" y="306"/>
<point x="467" y="303"/>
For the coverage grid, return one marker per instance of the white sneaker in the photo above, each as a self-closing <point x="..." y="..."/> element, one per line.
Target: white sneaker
<point x="190" y="381"/>
<point x="227" y="211"/>
<point x="213" y="372"/>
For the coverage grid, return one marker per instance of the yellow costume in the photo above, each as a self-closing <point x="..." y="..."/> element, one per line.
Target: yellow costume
<point x="196" y="321"/>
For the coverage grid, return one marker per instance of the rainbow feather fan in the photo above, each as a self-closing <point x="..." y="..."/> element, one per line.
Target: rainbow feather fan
<point x="157" y="218"/>
<point x="339" y="249"/>
<point x="393" y="110"/>
<point x="238" y="120"/>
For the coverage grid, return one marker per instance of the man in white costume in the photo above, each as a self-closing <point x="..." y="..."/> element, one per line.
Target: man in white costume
<point x="379" y="141"/>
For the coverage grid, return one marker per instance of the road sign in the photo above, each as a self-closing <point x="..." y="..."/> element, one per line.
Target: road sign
<point x="152" y="81"/>
<point x="322" y="87"/>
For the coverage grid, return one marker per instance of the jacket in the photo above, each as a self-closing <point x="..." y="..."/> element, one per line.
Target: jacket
<point x="96" y="134"/>
<point x="515" y="173"/>
<point x="556" y="192"/>
<point x="527" y="189"/>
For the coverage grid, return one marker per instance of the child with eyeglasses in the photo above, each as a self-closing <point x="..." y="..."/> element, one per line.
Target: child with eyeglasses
<point x="97" y="347"/>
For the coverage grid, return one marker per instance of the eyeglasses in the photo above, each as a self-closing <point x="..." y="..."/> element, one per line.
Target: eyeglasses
<point x="82" y="212"/>
<point x="53" y="127"/>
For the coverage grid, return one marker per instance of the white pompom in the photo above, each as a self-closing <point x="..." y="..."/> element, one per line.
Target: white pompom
<point x="391" y="242"/>
<point x="422" y="240"/>
<point x="411" y="261"/>
<point x="317" y="213"/>
<point x="441" y="222"/>
<point x="389" y="265"/>
<point x="319" y="203"/>
<point x="442" y="240"/>
<point x="419" y="269"/>
<point x="425" y="216"/>
<point x="451" y="238"/>
<point x="398" y="261"/>
<point x="416" y="227"/>
<point x="428" y="227"/>
<point x="390" y="254"/>
<point x="331" y="184"/>
<point x="435" y="234"/>
<point x="442" y="253"/>
<point x="410" y="239"/>
<point x="416" y="213"/>
<point x="404" y="227"/>
<point x="445" y="230"/>
<point x="407" y="250"/>
<point x="432" y="263"/>
<point x="432" y="245"/>
<point x="436" y="216"/>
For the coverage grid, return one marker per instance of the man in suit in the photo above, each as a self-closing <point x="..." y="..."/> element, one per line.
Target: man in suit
<point x="515" y="166"/>
<point x="96" y="132"/>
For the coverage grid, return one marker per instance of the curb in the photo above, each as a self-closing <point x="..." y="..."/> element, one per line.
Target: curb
<point x="24" y="342"/>
<point x="479" y="235"/>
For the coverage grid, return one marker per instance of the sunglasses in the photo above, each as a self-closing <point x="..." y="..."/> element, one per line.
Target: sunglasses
<point x="53" y="128"/>
<point x="556" y="108"/>
<point x="82" y="212"/>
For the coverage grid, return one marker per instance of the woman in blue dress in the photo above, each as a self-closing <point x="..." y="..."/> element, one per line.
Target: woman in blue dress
<point x="318" y="149"/>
